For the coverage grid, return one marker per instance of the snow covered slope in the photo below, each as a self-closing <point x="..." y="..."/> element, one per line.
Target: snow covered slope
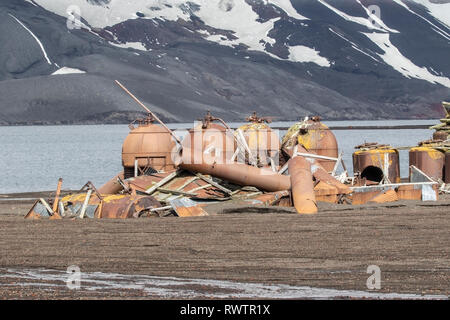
<point x="238" y="22"/>
<point x="339" y="58"/>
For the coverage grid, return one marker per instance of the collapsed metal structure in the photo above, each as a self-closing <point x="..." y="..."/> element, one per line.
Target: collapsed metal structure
<point x="163" y="175"/>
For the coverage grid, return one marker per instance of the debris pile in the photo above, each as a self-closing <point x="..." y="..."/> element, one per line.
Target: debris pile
<point x="164" y="175"/>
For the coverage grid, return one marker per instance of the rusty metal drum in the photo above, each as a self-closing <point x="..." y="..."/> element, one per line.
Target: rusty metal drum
<point x="315" y="137"/>
<point x="369" y="162"/>
<point x="429" y="160"/>
<point x="150" y="146"/>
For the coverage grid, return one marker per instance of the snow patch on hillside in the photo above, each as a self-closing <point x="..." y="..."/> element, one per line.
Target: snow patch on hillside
<point x="438" y="30"/>
<point x="366" y="22"/>
<point x="130" y="45"/>
<point x="393" y="57"/>
<point x="306" y="54"/>
<point x="287" y="7"/>
<point x="67" y="70"/>
<point x="441" y="11"/>
<point x="236" y="16"/>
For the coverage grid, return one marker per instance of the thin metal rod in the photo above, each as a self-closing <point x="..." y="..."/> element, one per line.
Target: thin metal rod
<point x="148" y="110"/>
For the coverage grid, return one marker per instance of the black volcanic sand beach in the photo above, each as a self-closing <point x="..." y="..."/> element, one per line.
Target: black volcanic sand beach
<point x="408" y="240"/>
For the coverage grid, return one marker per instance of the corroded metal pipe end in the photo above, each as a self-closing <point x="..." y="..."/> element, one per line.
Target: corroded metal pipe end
<point x="302" y="186"/>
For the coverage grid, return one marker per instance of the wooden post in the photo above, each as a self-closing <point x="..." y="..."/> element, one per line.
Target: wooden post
<point x="58" y="192"/>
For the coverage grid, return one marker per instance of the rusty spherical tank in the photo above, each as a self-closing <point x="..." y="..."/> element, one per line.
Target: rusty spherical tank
<point x="260" y="138"/>
<point x="370" y="162"/>
<point x="214" y="140"/>
<point x="429" y="160"/>
<point x="440" y="135"/>
<point x="317" y="138"/>
<point x="151" y="145"/>
<point x="447" y="167"/>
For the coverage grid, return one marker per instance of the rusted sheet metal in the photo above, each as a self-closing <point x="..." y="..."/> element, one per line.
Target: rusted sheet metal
<point x="409" y="192"/>
<point x="111" y="206"/>
<point x="270" y="199"/>
<point x="185" y="207"/>
<point x="238" y="173"/>
<point x="38" y="211"/>
<point x="302" y="186"/>
<point x="126" y="207"/>
<point x="428" y="160"/>
<point x="315" y="137"/>
<point x="326" y="193"/>
<point x="387" y="196"/>
<point x="370" y="161"/>
<point x="362" y="195"/>
<point x="112" y="186"/>
<point x="183" y="183"/>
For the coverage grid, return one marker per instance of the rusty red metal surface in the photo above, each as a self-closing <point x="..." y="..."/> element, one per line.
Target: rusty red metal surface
<point x="369" y="162"/>
<point x="302" y="186"/>
<point x="238" y="173"/>
<point x="151" y="146"/>
<point x="428" y="160"/>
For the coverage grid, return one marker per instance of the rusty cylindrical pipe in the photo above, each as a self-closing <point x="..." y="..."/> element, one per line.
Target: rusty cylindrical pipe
<point x="319" y="173"/>
<point x="238" y="173"/>
<point x="112" y="186"/>
<point x="302" y="185"/>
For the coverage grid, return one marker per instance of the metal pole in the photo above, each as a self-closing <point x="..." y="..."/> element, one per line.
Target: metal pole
<point x="148" y="110"/>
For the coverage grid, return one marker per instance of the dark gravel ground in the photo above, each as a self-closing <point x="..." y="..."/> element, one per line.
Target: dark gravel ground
<point x="409" y="241"/>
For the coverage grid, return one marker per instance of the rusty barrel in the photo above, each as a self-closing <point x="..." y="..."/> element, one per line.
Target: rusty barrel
<point x="370" y="163"/>
<point x="302" y="186"/>
<point x="428" y="160"/>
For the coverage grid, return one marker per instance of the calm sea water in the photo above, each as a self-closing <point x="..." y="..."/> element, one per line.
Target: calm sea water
<point x="33" y="158"/>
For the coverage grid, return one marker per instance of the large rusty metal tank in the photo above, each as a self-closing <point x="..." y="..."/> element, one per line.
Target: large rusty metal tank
<point x="149" y="146"/>
<point x="440" y="135"/>
<point x="371" y="159"/>
<point x="215" y="141"/>
<point x="443" y="129"/>
<point x="315" y="137"/>
<point x="428" y="159"/>
<point x="262" y="141"/>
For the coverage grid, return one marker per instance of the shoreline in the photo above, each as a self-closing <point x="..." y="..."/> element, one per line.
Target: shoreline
<point x="408" y="240"/>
